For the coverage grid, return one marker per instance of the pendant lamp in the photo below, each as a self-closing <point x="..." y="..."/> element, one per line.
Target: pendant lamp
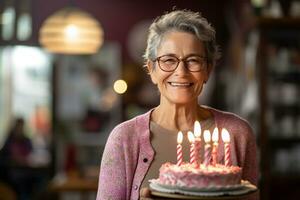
<point x="71" y="31"/>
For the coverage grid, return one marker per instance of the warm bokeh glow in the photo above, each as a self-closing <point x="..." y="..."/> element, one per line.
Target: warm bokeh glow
<point x="179" y="137"/>
<point x="191" y="137"/>
<point x="206" y="136"/>
<point x="71" y="32"/>
<point x="197" y="129"/>
<point x="225" y="135"/>
<point x="215" y="135"/>
<point x="120" y="86"/>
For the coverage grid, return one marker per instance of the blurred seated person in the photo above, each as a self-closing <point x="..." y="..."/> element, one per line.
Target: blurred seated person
<point x="15" y="160"/>
<point x="18" y="146"/>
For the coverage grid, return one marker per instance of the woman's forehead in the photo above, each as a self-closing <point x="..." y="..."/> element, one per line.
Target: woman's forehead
<point x="176" y="42"/>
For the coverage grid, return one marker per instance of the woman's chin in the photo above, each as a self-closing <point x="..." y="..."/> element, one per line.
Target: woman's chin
<point x="181" y="100"/>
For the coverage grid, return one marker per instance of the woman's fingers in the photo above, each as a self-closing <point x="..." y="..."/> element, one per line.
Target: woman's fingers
<point x="145" y="192"/>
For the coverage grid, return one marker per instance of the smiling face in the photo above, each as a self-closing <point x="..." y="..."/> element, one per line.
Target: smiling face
<point x="180" y="86"/>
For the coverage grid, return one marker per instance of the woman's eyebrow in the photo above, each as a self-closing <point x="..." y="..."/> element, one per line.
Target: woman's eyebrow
<point x="194" y="54"/>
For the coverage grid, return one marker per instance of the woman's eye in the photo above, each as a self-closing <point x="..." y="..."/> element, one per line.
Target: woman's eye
<point x="170" y="60"/>
<point x="193" y="61"/>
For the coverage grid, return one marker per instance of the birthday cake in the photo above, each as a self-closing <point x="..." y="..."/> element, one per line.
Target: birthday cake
<point x="186" y="175"/>
<point x="197" y="174"/>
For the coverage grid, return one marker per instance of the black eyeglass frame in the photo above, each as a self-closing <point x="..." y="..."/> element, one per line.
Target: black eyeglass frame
<point x="184" y="62"/>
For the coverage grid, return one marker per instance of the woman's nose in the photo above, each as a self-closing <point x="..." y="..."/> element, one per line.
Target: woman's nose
<point x="181" y="68"/>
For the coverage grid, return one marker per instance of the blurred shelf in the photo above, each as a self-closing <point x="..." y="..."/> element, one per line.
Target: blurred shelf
<point x="278" y="23"/>
<point x="77" y="184"/>
<point x="283" y="109"/>
<point x="283" y="179"/>
<point x="282" y="142"/>
<point x="93" y="139"/>
<point x="283" y="32"/>
<point x="285" y="186"/>
<point x="279" y="96"/>
<point x="286" y="77"/>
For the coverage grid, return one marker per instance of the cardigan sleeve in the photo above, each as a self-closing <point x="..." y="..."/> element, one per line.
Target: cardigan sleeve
<point x="245" y="146"/>
<point x="112" y="178"/>
<point x="250" y="167"/>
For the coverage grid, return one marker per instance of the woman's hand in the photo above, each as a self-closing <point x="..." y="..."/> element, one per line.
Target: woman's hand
<point x="145" y="194"/>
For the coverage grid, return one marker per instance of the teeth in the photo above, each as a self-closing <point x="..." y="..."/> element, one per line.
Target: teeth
<point x="180" y="84"/>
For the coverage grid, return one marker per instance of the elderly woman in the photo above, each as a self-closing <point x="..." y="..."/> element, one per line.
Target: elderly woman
<point x="181" y="52"/>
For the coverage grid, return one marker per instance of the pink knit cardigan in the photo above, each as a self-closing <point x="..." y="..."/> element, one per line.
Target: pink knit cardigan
<point x="128" y="154"/>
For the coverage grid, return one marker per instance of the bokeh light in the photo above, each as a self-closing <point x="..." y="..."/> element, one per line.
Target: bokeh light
<point x="120" y="86"/>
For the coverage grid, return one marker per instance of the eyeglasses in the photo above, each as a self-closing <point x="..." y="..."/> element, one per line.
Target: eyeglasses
<point x="169" y="63"/>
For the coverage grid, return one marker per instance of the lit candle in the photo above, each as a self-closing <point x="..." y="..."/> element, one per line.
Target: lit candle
<point x="197" y="133"/>
<point x="215" y="139"/>
<point x="192" y="148"/>
<point x="179" y="148"/>
<point x="226" y="140"/>
<point x="207" y="148"/>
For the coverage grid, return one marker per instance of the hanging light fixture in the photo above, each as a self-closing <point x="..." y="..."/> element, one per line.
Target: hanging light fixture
<point x="71" y="31"/>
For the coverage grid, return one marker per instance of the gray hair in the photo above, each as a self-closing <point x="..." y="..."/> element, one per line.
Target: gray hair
<point x="185" y="21"/>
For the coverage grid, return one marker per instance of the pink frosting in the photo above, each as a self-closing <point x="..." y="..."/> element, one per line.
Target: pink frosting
<point x="188" y="176"/>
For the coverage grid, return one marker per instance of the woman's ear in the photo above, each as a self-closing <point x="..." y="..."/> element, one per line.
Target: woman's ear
<point x="151" y="71"/>
<point x="149" y="66"/>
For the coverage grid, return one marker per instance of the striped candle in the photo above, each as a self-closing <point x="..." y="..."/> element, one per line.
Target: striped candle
<point x="226" y="140"/>
<point x="197" y="133"/>
<point x="207" y="148"/>
<point x="215" y="139"/>
<point x="179" y="148"/>
<point x="192" y="149"/>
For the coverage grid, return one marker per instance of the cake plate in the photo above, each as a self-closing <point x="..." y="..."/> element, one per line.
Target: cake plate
<point x="240" y="191"/>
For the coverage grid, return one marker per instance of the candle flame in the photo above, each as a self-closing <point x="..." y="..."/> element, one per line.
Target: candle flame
<point x="179" y="137"/>
<point x="206" y="136"/>
<point x="215" y="135"/>
<point x="191" y="137"/>
<point x="225" y="135"/>
<point x="197" y="129"/>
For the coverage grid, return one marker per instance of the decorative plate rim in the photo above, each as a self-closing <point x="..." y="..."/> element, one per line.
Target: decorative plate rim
<point x="243" y="184"/>
<point x="207" y="193"/>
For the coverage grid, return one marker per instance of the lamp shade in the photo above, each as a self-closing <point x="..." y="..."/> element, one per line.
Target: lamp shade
<point x="71" y="31"/>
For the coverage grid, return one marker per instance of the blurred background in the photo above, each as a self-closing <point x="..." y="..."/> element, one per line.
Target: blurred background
<point x="58" y="102"/>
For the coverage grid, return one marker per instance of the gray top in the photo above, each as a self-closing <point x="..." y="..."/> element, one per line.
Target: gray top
<point x="162" y="137"/>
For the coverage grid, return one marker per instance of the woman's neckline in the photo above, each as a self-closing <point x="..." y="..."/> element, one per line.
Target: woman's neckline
<point x="210" y="118"/>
